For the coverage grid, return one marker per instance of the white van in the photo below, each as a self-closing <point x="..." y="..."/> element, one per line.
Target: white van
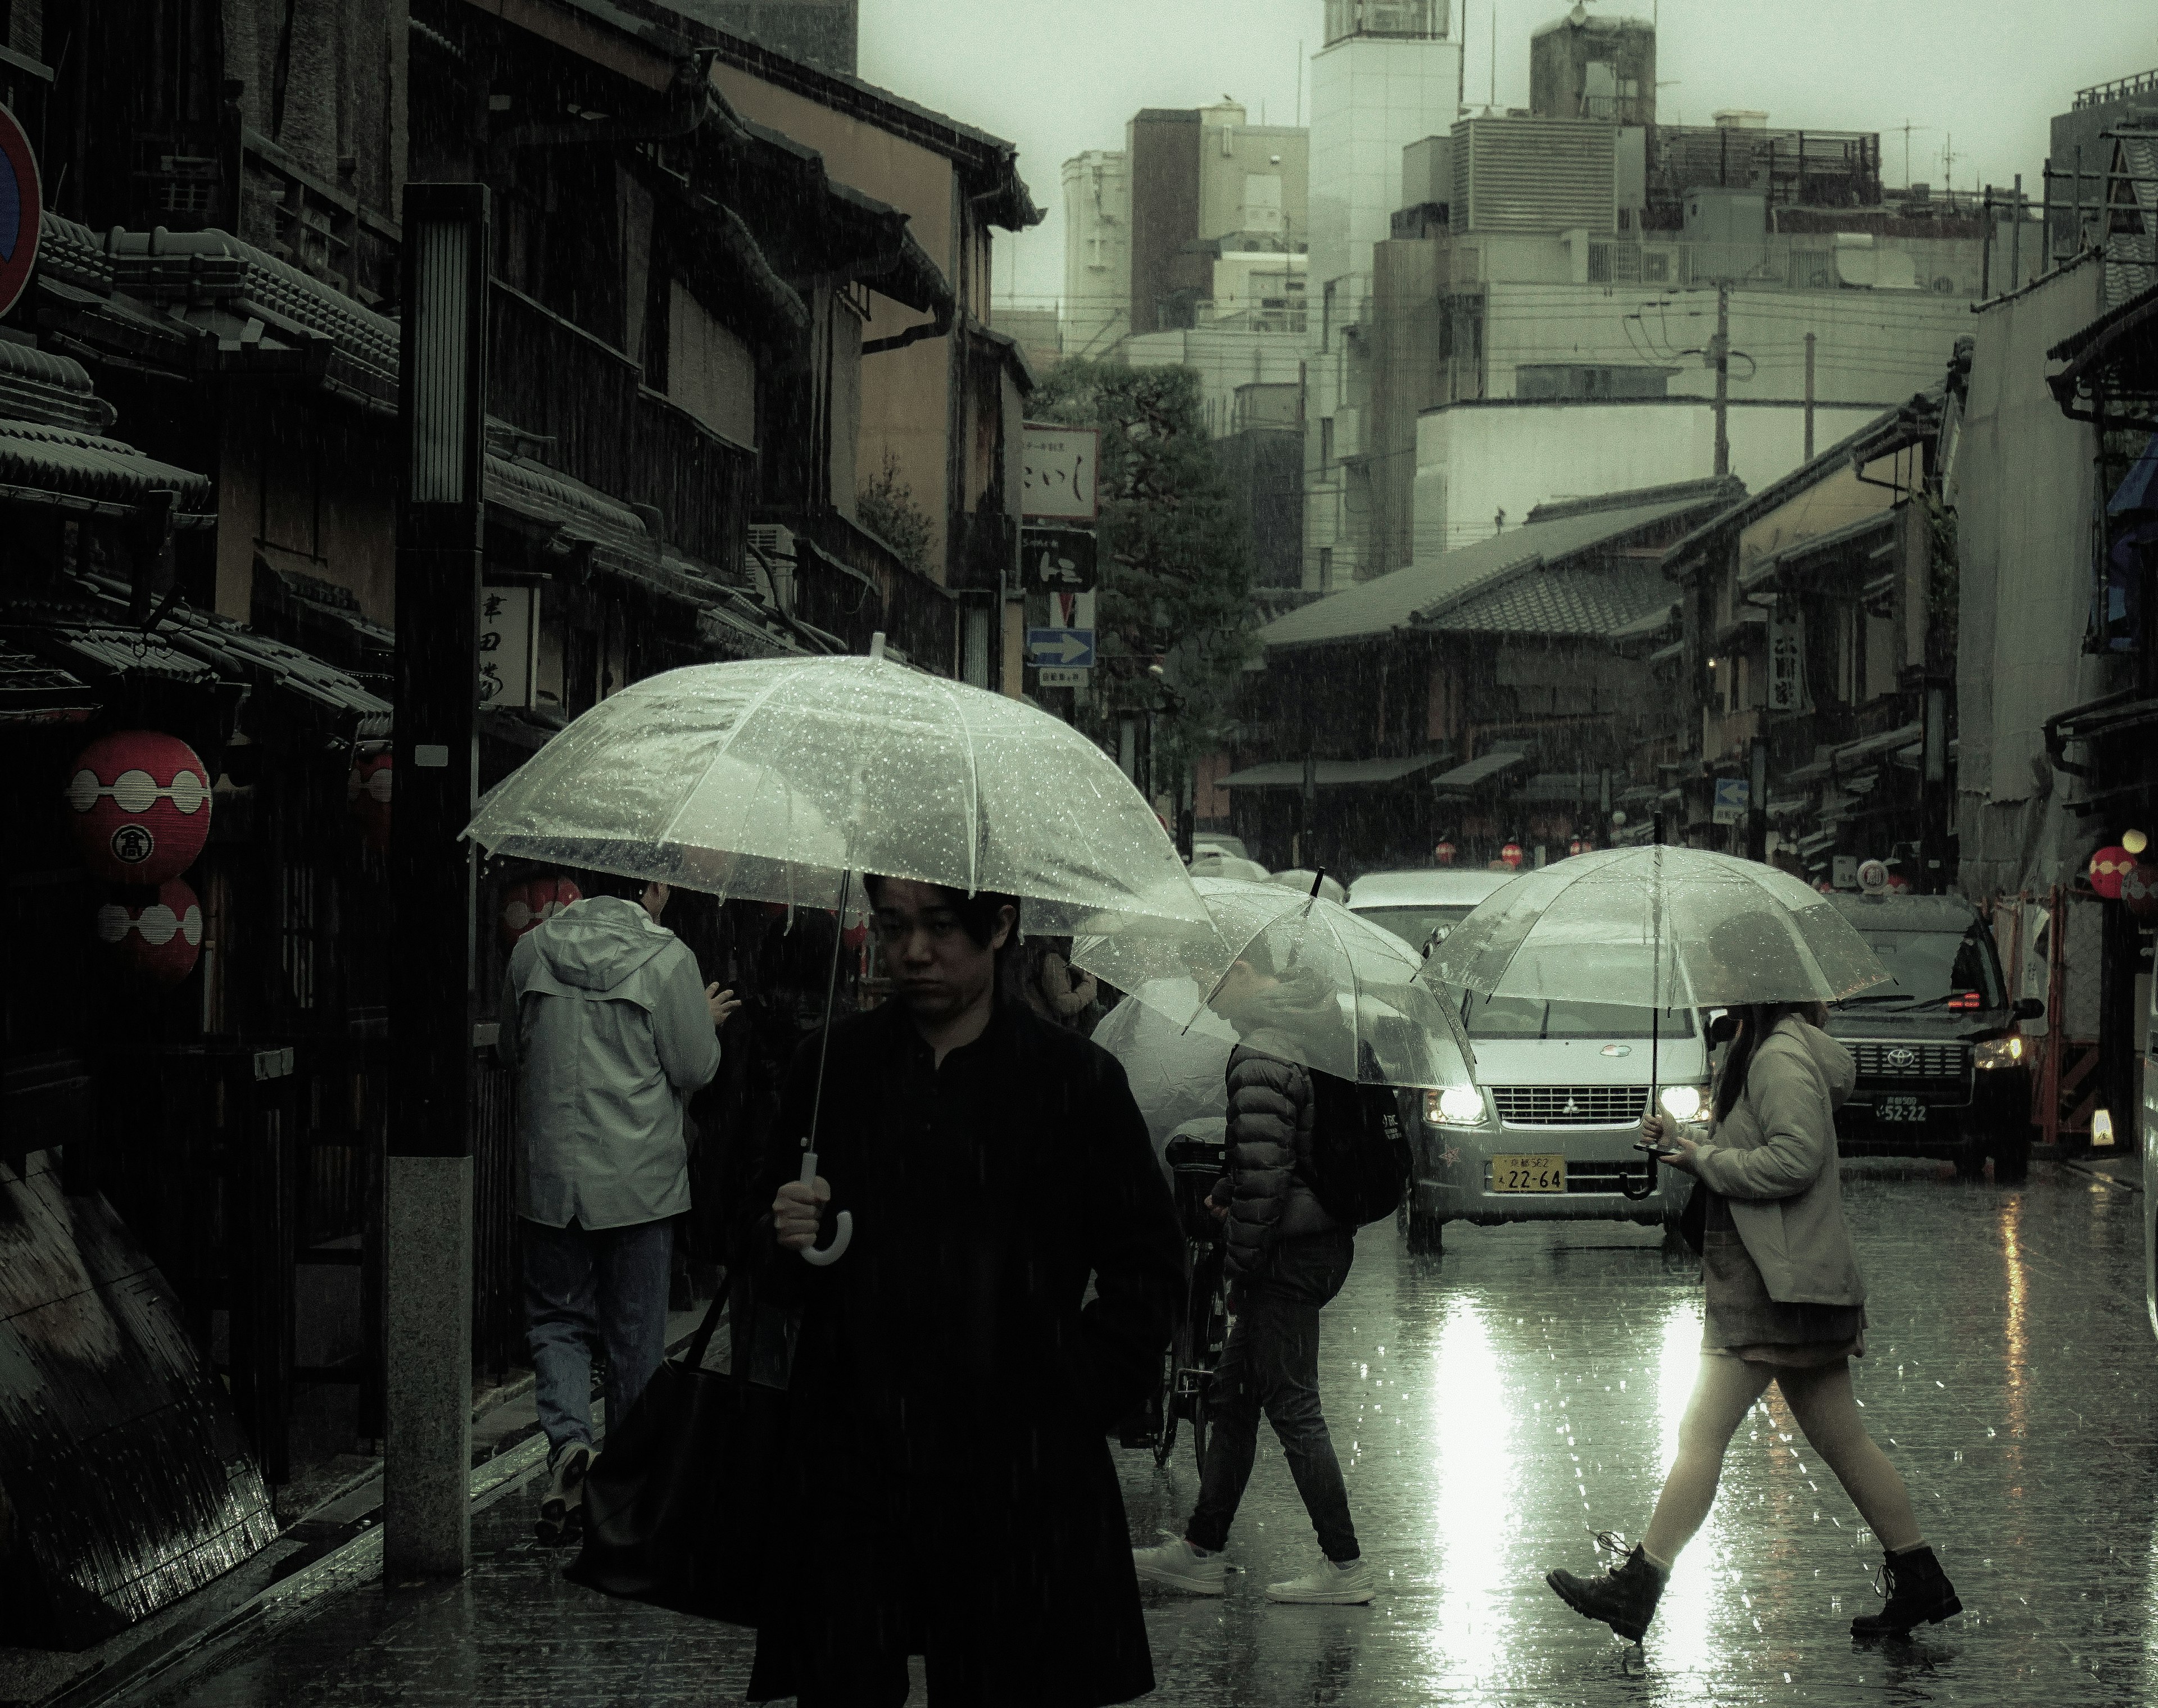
<point x="1547" y="1133"/>
<point x="1421" y="907"/>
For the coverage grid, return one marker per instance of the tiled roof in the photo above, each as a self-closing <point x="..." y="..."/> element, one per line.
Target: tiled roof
<point x="1406" y="596"/>
<point x="1575" y="600"/>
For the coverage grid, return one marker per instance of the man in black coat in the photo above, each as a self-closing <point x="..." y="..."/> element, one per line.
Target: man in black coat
<point x="945" y="1487"/>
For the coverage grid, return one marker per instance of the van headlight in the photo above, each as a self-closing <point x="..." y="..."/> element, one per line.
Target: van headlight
<point x="1456" y="1106"/>
<point x="1681" y="1102"/>
<point x="2001" y="1052"/>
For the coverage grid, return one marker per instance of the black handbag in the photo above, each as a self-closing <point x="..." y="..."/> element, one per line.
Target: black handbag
<point x="1693" y="1219"/>
<point x="674" y="1510"/>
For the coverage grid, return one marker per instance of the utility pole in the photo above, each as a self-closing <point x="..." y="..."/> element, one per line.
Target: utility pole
<point x="427" y="1173"/>
<point x="1809" y="397"/>
<point x="2015" y="240"/>
<point x="1719" y="353"/>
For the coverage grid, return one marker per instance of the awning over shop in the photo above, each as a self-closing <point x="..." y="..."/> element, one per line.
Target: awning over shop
<point x="92" y="475"/>
<point x="573" y="512"/>
<point x="1876" y="746"/>
<point x="1485" y="768"/>
<point x="94" y="650"/>
<point x="1560" y="788"/>
<point x="1328" y="773"/>
<point x="34" y="692"/>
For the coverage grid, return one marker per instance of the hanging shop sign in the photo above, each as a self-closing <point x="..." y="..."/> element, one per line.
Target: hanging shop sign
<point x="366" y="788"/>
<point x="1787" y="663"/>
<point x="140" y="805"/>
<point x="508" y="646"/>
<point x="158" y="933"/>
<point x="1058" y="470"/>
<point x="1058" y="560"/>
<point x="22" y="210"/>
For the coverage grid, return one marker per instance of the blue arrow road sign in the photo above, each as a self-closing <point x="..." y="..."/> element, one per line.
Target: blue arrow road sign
<point x="1068" y="648"/>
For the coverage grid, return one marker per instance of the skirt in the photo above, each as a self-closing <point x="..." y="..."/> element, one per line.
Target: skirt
<point x="1743" y="1321"/>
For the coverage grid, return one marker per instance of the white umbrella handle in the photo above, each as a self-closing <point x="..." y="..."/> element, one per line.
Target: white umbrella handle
<point x="842" y="1228"/>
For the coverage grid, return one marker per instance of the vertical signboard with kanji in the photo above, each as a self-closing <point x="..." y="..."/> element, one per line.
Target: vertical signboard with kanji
<point x="1057" y="478"/>
<point x="508" y="646"/>
<point x="1787" y="672"/>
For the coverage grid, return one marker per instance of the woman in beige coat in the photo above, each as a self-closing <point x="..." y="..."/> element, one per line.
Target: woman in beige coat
<point x="1785" y="1303"/>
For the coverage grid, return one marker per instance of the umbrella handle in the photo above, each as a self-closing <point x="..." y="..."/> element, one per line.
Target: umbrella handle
<point x="843" y="1228"/>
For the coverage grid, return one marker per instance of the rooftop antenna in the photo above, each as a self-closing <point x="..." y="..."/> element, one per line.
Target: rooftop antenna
<point x="1299" y="85"/>
<point x="1907" y="127"/>
<point x="1495" y="56"/>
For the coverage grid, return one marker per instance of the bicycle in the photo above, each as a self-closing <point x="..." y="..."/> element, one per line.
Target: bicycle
<point x="1195" y="1154"/>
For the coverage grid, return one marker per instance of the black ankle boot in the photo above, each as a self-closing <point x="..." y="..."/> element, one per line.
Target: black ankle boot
<point x="1918" y="1591"/>
<point x="1624" y="1598"/>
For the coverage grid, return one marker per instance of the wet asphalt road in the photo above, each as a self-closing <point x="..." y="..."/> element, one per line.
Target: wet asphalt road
<point x="1490" y="1407"/>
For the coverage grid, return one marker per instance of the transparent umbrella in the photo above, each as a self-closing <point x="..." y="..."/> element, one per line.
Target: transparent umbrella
<point x="772" y="779"/>
<point x="1298" y="976"/>
<point x="778" y="780"/>
<point x="1177" y="1072"/>
<point x="1660" y="927"/>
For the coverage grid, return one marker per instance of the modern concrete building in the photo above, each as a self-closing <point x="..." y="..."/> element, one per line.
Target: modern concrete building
<point x="1098" y="252"/>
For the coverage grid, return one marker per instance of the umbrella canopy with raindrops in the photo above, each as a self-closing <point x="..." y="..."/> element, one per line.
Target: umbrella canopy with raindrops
<point x="1330" y="989"/>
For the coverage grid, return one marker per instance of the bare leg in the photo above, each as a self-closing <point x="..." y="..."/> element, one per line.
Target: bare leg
<point x="1723" y="1393"/>
<point x="1822" y="1402"/>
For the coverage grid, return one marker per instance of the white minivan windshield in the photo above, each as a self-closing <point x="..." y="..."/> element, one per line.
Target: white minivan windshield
<point x="1535" y="1017"/>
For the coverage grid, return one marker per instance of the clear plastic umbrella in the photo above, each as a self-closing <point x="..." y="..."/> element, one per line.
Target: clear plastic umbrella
<point x="772" y="779"/>
<point x="1177" y="1072"/>
<point x="778" y="780"/>
<point x="1657" y="927"/>
<point x="1298" y="976"/>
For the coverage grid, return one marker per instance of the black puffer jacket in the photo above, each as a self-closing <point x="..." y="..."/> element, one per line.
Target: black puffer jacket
<point x="1273" y="1107"/>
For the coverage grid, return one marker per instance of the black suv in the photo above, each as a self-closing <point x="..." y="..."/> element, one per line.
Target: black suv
<point x="1943" y="1067"/>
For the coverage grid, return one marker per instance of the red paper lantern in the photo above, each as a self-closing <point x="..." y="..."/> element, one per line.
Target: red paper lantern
<point x="1581" y="845"/>
<point x="1898" y="885"/>
<point x="159" y="936"/>
<point x="1511" y="854"/>
<point x="2139" y="889"/>
<point x="528" y="905"/>
<point x="2109" y="866"/>
<point x="1443" y="854"/>
<point x="141" y="806"/>
<point x="366" y="788"/>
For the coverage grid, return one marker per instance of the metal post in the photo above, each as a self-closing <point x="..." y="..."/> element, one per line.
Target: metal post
<point x="1985" y="246"/>
<point x="1720" y="353"/>
<point x="2015" y="240"/>
<point x="427" y="1186"/>
<point x="1809" y="397"/>
<point x="1933" y="792"/>
<point x="1757" y="800"/>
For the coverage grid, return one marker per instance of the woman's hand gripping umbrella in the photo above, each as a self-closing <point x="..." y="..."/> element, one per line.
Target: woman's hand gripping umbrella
<point x="779" y="779"/>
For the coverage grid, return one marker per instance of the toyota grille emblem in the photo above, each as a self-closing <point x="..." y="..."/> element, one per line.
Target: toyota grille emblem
<point x="1903" y="1058"/>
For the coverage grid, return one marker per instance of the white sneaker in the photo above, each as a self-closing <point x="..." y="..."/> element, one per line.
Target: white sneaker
<point x="561" y="1518"/>
<point x="1180" y="1565"/>
<point x="1329" y="1586"/>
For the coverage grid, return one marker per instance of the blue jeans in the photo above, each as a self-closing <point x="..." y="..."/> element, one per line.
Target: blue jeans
<point x="586" y="1288"/>
<point x="1270" y="1364"/>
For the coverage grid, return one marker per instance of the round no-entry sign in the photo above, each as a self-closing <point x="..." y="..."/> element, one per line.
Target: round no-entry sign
<point x="22" y="210"/>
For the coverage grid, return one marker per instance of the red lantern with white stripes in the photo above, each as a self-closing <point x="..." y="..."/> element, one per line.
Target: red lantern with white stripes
<point x="1511" y="854"/>
<point x="367" y="797"/>
<point x="159" y="935"/>
<point x="139" y="806"/>
<point x="1443" y="854"/>
<point x="528" y="905"/>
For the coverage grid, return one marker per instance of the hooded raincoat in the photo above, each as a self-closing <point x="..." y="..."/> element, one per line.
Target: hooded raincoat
<point x="604" y="1018"/>
<point x="1773" y="1159"/>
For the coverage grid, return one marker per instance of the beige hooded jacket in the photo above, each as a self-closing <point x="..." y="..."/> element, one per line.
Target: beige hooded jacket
<point x="1774" y="1158"/>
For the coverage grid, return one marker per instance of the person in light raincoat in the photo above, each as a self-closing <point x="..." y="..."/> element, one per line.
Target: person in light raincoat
<point x="1785" y="1303"/>
<point x="605" y="1020"/>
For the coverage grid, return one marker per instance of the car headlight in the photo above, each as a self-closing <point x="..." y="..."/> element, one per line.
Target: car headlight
<point x="1681" y="1102"/>
<point x="2001" y="1052"/>
<point x="1456" y="1106"/>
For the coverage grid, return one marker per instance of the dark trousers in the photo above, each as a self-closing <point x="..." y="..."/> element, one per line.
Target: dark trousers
<point x="587" y="1288"/>
<point x="1270" y="1364"/>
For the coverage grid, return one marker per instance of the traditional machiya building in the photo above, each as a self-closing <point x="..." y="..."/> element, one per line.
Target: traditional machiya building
<point x="1480" y="700"/>
<point x="722" y="286"/>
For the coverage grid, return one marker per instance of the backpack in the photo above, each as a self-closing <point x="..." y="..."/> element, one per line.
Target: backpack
<point x="1359" y="1164"/>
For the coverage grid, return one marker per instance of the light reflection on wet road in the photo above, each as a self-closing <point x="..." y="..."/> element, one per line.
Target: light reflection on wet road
<point x="1491" y="1406"/>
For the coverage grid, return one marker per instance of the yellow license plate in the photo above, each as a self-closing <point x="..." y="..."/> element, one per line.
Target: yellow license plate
<point x="1528" y="1173"/>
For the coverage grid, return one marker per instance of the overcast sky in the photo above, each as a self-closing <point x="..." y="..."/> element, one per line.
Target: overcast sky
<point x="1059" y="76"/>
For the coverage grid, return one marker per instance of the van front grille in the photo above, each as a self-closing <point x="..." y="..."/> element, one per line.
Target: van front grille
<point x="1570" y="1105"/>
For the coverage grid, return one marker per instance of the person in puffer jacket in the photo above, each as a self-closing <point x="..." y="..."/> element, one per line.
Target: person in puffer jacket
<point x="1287" y="1258"/>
